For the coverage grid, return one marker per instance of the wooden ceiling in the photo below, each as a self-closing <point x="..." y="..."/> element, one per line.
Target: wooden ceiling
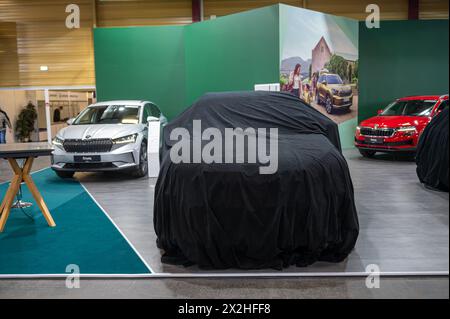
<point x="390" y="9"/>
<point x="33" y="32"/>
<point x="9" y="63"/>
<point x="136" y="13"/>
<point x="43" y="39"/>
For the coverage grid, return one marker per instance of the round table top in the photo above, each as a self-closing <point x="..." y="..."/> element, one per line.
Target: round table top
<point x="23" y="150"/>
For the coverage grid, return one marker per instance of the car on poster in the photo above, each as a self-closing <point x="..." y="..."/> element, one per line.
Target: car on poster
<point x="398" y="127"/>
<point x="333" y="93"/>
<point x="106" y="136"/>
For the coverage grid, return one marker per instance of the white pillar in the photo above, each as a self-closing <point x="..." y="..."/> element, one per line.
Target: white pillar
<point x="70" y="107"/>
<point x="202" y="11"/>
<point x="47" y="116"/>
<point x="154" y="129"/>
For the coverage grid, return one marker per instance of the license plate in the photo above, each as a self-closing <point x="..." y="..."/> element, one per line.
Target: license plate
<point x="374" y="140"/>
<point x="347" y="99"/>
<point x="87" y="159"/>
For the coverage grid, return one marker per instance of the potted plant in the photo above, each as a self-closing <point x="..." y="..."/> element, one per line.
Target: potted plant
<point x="25" y="122"/>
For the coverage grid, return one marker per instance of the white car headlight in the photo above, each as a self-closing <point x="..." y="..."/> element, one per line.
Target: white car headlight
<point x="58" y="141"/>
<point x="125" y="140"/>
<point x="407" y="129"/>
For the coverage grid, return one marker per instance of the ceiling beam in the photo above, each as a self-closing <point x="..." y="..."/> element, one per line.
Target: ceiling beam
<point x="413" y="9"/>
<point x="197" y="10"/>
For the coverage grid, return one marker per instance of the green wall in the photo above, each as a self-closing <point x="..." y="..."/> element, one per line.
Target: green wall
<point x="142" y="63"/>
<point x="232" y="53"/>
<point x="173" y="66"/>
<point x="401" y="58"/>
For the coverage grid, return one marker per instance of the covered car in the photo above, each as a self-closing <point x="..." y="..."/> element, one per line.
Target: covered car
<point x="228" y="215"/>
<point x="432" y="153"/>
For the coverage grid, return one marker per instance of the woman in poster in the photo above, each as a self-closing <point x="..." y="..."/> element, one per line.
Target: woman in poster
<point x="295" y="81"/>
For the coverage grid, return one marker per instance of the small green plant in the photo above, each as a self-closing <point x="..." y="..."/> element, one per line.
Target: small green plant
<point x="25" y="122"/>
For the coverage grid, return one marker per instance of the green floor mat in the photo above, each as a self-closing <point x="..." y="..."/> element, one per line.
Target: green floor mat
<point x="84" y="235"/>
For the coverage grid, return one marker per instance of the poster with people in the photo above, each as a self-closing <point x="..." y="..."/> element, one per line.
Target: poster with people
<point x="319" y="61"/>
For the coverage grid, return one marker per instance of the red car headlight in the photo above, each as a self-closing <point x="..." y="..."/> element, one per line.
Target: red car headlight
<point x="407" y="130"/>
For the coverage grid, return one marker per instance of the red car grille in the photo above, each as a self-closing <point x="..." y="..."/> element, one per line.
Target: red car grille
<point x="383" y="132"/>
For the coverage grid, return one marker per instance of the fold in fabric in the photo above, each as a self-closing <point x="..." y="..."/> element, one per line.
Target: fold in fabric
<point x="432" y="156"/>
<point x="222" y="216"/>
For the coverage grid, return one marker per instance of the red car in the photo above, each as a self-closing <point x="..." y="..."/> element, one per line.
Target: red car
<point x="398" y="127"/>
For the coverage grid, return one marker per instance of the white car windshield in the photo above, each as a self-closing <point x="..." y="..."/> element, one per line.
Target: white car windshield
<point x="109" y="114"/>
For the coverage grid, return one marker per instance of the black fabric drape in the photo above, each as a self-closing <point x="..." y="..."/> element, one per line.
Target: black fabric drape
<point x="432" y="153"/>
<point x="230" y="216"/>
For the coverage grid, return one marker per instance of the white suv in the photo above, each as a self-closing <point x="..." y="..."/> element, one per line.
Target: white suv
<point x="106" y="136"/>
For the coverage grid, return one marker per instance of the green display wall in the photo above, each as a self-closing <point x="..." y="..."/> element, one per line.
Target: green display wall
<point x="173" y="66"/>
<point x="401" y="58"/>
<point x="144" y="63"/>
<point x="232" y="53"/>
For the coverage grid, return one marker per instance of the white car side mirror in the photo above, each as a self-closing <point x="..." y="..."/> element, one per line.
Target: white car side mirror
<point x="152" y="119"/>
<point x="70" y="121"/>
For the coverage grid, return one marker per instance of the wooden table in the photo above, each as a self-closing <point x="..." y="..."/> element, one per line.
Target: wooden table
<point x="28" y="152"/>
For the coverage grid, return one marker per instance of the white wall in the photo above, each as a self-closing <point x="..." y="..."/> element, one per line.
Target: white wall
<point x="12" y="102"/>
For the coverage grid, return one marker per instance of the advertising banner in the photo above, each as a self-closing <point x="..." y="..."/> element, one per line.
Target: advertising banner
<point x="319" y="61"/>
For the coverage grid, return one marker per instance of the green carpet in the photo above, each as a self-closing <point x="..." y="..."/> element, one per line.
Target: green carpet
<point x="84" y="235"/>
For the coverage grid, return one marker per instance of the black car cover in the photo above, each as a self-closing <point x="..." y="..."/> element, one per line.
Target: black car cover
<point x="231" y="216"/>
<point x="432" y="153"/>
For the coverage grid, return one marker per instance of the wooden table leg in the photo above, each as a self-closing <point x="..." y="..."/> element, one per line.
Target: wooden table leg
<point x="17" y="172"/>
<point x="3" y="202"/>
<point x="5" y="198"/>
<point x="10" y="194"/>
<point x="19" y="176"/>
<point x="35" y="192"/>
<point x="15" y="166"/>
<point x="9" y="199"/>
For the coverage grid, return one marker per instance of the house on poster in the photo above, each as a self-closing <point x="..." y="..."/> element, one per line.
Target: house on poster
<point x="321" y="55"/>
